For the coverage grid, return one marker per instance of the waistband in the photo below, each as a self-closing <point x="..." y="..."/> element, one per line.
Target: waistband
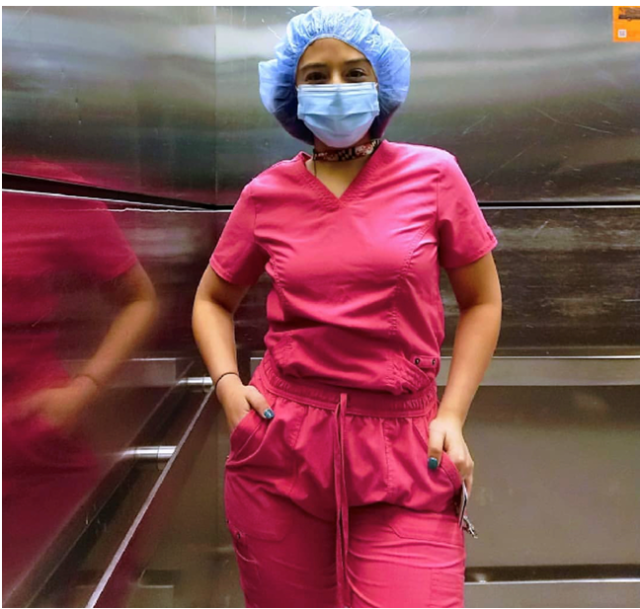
<point x="363" y="402"/>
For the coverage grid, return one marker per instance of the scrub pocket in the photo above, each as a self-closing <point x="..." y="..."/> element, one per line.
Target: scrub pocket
<point x="446" y="464"/>
<point x="242" y="434"/>
<point x="261" y="469"/>
<point x="412" y="484"/>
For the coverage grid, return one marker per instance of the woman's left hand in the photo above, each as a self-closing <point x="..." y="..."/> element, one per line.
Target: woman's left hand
<point x="445" y="433"/>
<point x="61" y="406"/>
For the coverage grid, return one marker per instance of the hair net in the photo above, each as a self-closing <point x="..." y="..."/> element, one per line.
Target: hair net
<point x="357" y="27"/>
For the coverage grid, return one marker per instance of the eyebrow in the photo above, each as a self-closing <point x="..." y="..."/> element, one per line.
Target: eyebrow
<point x="324" y="65"/>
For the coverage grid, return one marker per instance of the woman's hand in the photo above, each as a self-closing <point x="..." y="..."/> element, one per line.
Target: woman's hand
<point x="238" y="400"/>
<point x="445" y="433"/>
<point x="61" y="406"/>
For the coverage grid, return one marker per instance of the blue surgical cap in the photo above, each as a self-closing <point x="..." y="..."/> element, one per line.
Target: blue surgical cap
<point x="357" y="27"/>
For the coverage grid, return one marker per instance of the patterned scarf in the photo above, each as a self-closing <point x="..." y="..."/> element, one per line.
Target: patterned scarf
<point x="346" y="154"/>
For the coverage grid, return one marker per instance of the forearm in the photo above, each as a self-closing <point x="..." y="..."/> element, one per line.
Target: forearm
<point x="213" y="330"/>
<point x="474" y="344"/>
<point x="127" y="331"/>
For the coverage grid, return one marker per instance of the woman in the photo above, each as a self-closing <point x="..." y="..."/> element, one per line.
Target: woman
<point x="344" y="469"/>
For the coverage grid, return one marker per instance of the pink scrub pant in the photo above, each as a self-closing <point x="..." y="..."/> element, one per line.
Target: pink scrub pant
<point x="331" y="503"/>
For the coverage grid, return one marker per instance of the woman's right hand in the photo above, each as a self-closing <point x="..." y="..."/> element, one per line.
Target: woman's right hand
<point x="237" y="401"/>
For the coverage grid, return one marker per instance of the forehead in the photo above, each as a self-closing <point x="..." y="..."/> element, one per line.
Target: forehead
<point x="329" y="50"/>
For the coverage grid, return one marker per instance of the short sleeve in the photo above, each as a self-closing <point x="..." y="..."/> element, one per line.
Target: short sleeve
<point x="464" y="235"/>
<point x="237" y="257"/>
<point x="94" y="243"/>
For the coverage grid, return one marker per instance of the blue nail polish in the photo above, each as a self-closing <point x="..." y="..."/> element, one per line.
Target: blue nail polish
<point x="269" y="414"/>
<point x="433" y="463"/>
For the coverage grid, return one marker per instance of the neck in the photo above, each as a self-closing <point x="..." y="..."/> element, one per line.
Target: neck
<point x="320" y="146"/>
<point x="340" y="161"/>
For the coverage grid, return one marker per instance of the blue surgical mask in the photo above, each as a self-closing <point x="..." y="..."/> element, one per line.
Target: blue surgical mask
<point x="338" y="115"/>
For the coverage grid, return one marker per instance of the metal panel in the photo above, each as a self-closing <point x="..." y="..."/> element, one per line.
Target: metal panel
<point x="537" y="103"/>
<point x="80" y="572"/>
<point x="129" y="561"/>
<point x="567" y="371"/>
<point x="555" y="479"/>
<point x="570" y="280"/>
<point x="62" y="266"/>
<point x="577" y="593"/>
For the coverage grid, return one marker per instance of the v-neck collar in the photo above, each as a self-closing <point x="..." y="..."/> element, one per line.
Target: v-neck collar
<point x="356" y="184"/>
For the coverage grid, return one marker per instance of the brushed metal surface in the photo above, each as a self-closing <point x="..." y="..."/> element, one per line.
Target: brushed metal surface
<point x="145" y="372"/>
<point x="132" y="555"/>
<point x="78" y="573"/>
<point x="556" y="476"/>
<point x="551" y="371"/>
<point x="577" y="593"/>
<point x="537" y="103"/>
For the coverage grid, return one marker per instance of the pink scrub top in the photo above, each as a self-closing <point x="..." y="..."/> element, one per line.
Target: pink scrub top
<point x="355" y="298"/>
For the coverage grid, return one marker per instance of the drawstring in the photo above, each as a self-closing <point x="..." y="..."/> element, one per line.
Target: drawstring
<point x="342" y="504"/>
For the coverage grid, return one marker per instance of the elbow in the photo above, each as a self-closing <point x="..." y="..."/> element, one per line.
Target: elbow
<point x="148" y="298"/>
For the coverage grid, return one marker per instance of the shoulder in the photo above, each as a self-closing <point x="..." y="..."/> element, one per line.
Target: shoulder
<point x="419" y="153"/>
<point x="277" y="174"/>
<point x="429" y="160"/>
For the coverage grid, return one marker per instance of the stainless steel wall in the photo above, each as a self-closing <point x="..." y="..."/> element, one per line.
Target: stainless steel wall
<point x="541" y="109"/>
<point x="538" y="103"/>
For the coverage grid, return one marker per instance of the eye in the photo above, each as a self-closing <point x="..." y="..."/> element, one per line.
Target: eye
<point x="315" y="76"/>
<point x="356" y="73"/>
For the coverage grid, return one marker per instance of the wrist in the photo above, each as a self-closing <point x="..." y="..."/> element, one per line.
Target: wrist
<point x="86" y="382"/>
<point x="449" y="413"/>
<point x="226" y="384"/>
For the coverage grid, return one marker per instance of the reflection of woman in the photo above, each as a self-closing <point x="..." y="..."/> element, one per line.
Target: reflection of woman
<point x="48" y="467"/>
<point x="328" y="493"/>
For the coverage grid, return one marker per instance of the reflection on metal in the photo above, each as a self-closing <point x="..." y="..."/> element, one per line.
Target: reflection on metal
<point x="118" y="580"/>
<point x="63" y="260"/>
<point x="143" y="372"/>
<point x="537" y="103"/>
<point x="146" y="414"/>
<point x="149" y="453"/>
<point x="152" y="372"/>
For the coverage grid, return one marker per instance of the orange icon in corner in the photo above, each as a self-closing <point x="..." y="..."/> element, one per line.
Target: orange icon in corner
<point x="626" y="23"/>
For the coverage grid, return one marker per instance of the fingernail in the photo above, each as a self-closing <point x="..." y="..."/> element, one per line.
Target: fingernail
<point x="269" y="414"/>
<point x="433" y="463"/>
